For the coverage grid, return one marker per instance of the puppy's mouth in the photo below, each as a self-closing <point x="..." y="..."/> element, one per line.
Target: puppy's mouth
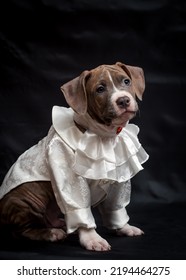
<point x="120" y="120"/>
<point x="130" y="112"/>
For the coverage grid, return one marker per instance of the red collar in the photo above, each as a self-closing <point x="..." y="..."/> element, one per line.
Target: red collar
<point x="82" y="129"/>
<point x="119" y="129"/>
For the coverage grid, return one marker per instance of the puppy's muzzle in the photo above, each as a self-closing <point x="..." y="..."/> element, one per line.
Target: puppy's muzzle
<point x="123" y="102"/>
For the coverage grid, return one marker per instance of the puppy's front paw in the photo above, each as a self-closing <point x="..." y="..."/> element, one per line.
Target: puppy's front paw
<point x="91" y="240"/>
<point x="129" y="231"/>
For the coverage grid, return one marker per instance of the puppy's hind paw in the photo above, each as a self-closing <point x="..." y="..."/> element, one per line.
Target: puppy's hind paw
<point x="56" y="234"/>
<point x="129" y="231"/>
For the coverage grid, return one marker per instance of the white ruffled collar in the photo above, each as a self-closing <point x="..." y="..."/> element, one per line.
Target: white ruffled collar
<point x="117" y="158"/>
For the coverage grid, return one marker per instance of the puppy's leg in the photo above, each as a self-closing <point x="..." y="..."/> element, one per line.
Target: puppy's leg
<point x="129" y="231"/>
<point x="26" y="211"/>
<point x="47" y="234"/>
<point x="91" y="240"/>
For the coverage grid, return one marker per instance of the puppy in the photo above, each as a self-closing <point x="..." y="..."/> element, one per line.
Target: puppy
<point x="87" y="159"/>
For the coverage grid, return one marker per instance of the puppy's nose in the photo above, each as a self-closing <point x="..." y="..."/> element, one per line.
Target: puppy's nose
<point x="123" y="102"/>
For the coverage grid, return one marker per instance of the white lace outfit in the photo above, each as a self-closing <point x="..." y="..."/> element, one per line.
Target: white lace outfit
<point x="85" y="169"/>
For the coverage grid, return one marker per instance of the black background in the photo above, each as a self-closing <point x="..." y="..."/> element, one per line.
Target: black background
<point x="45" y="43"/>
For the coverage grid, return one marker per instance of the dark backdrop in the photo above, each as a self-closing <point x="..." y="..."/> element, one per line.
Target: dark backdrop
<point x="45" y="43"/>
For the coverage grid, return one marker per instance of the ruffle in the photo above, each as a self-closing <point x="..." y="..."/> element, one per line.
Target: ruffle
<point x="116" y="158"/>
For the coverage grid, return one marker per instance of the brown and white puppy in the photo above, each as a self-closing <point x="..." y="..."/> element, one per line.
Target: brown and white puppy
<point x="104" y="100"/>
<point x="108" y="93"/>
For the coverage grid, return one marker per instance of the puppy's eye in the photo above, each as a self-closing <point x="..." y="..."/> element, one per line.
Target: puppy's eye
<point x="100" y="89"/>
<point x="126" y="82"/>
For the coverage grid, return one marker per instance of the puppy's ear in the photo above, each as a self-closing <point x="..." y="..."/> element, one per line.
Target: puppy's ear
<point x="137" y="76"/>
<point x="75" y="93"/>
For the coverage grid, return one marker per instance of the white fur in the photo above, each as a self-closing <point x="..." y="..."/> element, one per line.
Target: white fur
<point x="117" y="94"/>
<point x="129" y="231"/>
<point x="91" y="240"/>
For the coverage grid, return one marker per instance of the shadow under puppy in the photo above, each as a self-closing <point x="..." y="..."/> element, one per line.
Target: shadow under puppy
<point x="87" y="159"/>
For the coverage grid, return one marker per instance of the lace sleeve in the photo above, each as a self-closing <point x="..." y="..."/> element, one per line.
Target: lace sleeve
<point x="71" y="190"/>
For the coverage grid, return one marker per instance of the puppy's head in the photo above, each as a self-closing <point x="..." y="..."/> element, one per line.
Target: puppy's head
<point x="107" y="93"/>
